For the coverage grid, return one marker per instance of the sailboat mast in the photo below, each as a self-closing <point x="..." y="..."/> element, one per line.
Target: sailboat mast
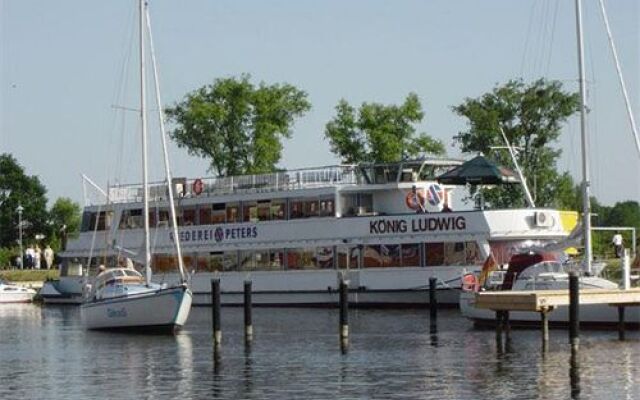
<point x="586" y="204"/>
<point x="145" y="174"/>
<point x="167" y="168"/>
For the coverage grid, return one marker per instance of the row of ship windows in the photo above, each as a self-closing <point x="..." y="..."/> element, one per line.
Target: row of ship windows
<point x="218" y="213"/>
<point x="365" y="256"/>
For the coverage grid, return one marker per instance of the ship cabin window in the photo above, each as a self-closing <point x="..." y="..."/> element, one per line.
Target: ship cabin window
<point x="310" y="258"/>
<point x="250" y="211"/>
<point x="327" y="207"/>
<point x="278" y="209"/>
<point x="385" y="174"/>
<point x="357" y="204"/>
<point x="102" y="219"/>
<point x="167" y="263"/>
<point x="218" y="214"/>
<point x="408" y="175"/>
<point x="306" y="207"/>
<point x="348" y="257"/>
<point x="233" y="212"/>
<point x="204" y="214"/>
<point x="265" y="260"/>
<point x="163" y="217"/>
<point x="187" y="217"/>
<point x="131" y="219"/>
<point x="391" y="255"/>
<point x="218" y="261"/>
<point x="452" y="253"/>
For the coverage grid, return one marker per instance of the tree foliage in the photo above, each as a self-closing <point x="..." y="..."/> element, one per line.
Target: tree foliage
<point x="17" y="188"/>
<point x="379" y="133"/>
<point x="237" y="126"/>
<point x="531" y="116"/>
<point x="64" y="217"/>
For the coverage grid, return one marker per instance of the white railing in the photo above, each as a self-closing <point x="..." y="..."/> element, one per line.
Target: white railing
<point x="213" y="186"/>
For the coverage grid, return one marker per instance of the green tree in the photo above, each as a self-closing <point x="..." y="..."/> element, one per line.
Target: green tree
<point x="64" y="217"/>
<point x="379" y="133"/>
<point x="17" y="188"/>
<point x="531" y="117"/>
<point x="237" y="126"/>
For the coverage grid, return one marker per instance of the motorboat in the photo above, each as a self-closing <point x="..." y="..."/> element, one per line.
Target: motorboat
<point x="541" y="271"/>
<point x="67" y="289"/>
<point x="12" y="293"/>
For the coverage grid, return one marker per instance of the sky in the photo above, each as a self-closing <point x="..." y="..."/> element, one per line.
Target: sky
<point x="68" y="74"/>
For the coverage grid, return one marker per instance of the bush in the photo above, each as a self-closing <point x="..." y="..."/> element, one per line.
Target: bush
<point x="7" y="256"/>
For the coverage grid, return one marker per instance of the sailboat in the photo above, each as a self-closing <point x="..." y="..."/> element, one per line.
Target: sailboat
<point x="122" y="298"/>
<point x="540" y="270"/>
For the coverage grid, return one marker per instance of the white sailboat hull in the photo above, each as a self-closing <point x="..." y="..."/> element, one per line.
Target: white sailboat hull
<point x="160" y="310"/>
<point x="593" y="315"/>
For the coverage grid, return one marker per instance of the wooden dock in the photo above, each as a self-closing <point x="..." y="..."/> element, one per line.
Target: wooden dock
<point x="548" y="300"/>
<point x="545" y="301"/>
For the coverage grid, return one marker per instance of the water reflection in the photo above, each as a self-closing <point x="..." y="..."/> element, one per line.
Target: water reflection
<point x="392" y="354"/>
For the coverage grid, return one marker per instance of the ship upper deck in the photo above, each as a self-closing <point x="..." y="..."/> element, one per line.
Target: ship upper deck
<point x="297" y="179"/>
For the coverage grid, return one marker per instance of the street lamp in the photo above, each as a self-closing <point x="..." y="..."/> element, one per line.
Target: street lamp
<point x="20" y="209"/>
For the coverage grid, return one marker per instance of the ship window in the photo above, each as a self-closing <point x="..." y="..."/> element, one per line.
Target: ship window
<point x="434" y="254"/>
<point x="264" y="211"/>
<point x="250" y="211"/>
<point x="410" y="255"/>
<point x="168" y="263"/>
<point x="247" y="260"/>
<point x="327" y="208"/>
<point x="188" y="217"/>
<point x="277" y="209"/>
<point x="205" y="215"/>
<point x="218" y="216"/>
<point x="390" y="254"/>
<point x="233" y="212"/>
<point x="152" y="217"/>
<point x="311" y="208"/>
<point x="272" y="259"/>
<point x="218" y="261"/>
<point x="324" y="256"/>
<point x="296" y="209"/>
<point x="163" y="217"/>
<point x="371" y="257"/>
<point x="348" y="257"/>
<point x="131" y="219"/>
<point x="301" y="258"/>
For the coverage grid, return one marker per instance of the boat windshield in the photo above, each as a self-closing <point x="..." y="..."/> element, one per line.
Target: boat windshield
<point x="544" y="267"/>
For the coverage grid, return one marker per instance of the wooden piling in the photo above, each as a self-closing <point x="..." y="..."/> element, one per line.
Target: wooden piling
<point x="544" y="316"/>
<point x="621" y="322"/>
<point x="433" y="303"/>
<point x="344" y="313"/>
<point x="574" y="309"/>
<point x="215" y="311"/>
<point x="248" y="324"/>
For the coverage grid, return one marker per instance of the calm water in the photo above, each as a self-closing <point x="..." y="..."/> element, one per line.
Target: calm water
<point x="45" y="354"/>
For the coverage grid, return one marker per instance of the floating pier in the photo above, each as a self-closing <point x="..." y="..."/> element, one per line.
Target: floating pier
<point x="545" y="301"/>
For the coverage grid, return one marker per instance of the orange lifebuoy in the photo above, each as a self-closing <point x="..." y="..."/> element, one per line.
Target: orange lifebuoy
<point x="414" y="200"/>
<point x="470" y="283"/>
<point x="198" y="186"/>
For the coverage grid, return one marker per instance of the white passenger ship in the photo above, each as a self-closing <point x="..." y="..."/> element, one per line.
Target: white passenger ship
<point x="387" y="227"/>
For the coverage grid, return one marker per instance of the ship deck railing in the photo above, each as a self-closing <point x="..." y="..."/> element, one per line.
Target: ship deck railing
<point x="216" y="186"/>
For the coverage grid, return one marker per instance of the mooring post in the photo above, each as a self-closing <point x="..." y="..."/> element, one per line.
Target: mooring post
<point x="499" y="330"/>
<point x="248" y="325"/>
<point x="344" y="313"/>
<point x="574" y="309"/>
<point x="621" y="322"/>
<point x="433" y="303"/>
<point x="544" y="316"/>
<point x="626" y="270"/>
<point x="215" y="311"/>
<point x="507" y="326"/>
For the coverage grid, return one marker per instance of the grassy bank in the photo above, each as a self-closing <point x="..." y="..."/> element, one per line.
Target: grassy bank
<point x="29" y="275"/>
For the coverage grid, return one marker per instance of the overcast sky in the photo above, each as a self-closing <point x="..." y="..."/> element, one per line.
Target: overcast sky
<point x="62" y="66"/>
